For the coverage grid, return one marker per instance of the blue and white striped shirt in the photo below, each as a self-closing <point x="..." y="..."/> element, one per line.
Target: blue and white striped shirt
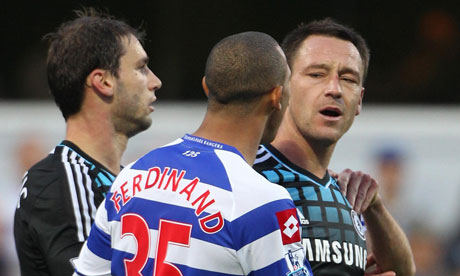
<point x="194" y="207"/>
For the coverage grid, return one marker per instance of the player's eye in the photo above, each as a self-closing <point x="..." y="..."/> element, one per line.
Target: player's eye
<point x="144" y="67"/>
<point x="350" y="80"/>
<point x="315" y="75"/>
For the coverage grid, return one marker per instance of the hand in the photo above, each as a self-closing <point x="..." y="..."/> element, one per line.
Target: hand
<point x="373" y="269"/>
<point x="360" y="189"/>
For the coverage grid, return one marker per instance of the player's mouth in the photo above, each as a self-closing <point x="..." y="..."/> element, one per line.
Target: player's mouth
<point x="331" y="112"/>
<point x="151" y="104"/>
<point x="151" y="108"/>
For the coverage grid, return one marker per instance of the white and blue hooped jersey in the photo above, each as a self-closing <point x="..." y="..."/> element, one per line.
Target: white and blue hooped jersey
<point x="194" y="207"/>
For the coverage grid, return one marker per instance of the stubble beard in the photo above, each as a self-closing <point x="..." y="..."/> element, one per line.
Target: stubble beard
<point x="126" y="118"/>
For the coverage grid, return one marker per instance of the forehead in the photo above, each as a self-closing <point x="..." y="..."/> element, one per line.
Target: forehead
<point x="327" y="50"/>
<point x="133" y="49"/>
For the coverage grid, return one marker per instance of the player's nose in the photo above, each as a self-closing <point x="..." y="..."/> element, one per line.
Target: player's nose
<point x="154" y="82"/>
<point x="333" y="87"/>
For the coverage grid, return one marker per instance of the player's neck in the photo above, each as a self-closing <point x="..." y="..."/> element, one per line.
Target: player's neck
<point x="306" y="153"/>
<point x="98" y="139"/>
<point x="243" y="134"/>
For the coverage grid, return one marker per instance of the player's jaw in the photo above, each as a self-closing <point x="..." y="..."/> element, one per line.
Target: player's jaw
<point x="132" y="109"/>
<point x="145" y="108"/>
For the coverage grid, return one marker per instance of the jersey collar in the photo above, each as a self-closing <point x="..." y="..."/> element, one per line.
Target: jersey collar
<point x="206" y="144"/>
<point x="324" y="181"/>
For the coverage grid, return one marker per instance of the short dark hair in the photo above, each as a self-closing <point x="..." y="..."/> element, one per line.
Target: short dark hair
<point x="92" y="40"/>
<point x="243" y="67"/>
<point x="326" y="27"/>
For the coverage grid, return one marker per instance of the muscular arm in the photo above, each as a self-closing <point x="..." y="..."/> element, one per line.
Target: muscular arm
<point x="386" y="240"/>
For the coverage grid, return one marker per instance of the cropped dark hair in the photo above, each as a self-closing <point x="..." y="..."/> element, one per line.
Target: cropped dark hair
<point x="243" y="67"/>
<point x="325" y="27"/>
<point x="92" y="40"/>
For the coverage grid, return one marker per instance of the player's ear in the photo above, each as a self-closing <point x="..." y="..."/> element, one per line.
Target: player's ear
<point x="360" y="104"/>
<point x="276" y="96"/>
<point x="101" y="81"/>
<point x="205" y="86"/>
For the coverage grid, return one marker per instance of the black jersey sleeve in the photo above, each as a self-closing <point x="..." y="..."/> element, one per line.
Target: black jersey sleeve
<point x="53" y="218"/>
<point x="45" y="231"/>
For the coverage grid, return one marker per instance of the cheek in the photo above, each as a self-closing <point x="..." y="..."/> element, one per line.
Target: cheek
<point x="299" y="112"/>
<point x="137" y="79"/>
<point x="137" y="87"/>
<point x="356" y="103"/>
<point x="354" y="99"/>
<point x="296" y="95"/>
<point x="301" y="104"/>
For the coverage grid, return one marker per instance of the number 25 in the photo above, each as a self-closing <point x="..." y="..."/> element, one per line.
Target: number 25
<point x="169" y="232"/>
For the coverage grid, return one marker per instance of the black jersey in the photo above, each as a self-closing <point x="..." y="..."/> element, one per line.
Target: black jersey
<point x="56" y="208"/>
<point x="332" y="233"/>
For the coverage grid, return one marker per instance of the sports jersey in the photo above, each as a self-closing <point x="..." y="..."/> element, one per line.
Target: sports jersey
<point x="194" y="207"/>
<point x="57" y="206"/>
<point x="332" y="233"/>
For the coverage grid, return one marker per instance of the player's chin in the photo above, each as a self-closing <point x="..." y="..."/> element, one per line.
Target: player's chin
<point x="146" y="122"/>
<point x="140" y="125"/>
<point x="328" y="135"/>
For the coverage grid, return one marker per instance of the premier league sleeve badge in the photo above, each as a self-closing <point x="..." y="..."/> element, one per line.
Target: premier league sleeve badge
<point x="294" y="260"/>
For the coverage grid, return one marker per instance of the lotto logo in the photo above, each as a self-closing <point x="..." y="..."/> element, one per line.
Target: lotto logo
<point x="289" y="226"/>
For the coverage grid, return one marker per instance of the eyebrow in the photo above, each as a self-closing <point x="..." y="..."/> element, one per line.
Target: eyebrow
<point x="144" y="60"/>
<point x="318" y="66"/>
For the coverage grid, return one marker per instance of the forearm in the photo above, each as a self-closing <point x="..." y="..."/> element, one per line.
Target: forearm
<point x="389" y="244"/>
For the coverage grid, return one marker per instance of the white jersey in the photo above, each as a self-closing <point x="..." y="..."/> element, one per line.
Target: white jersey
<point x="194" y="207"/>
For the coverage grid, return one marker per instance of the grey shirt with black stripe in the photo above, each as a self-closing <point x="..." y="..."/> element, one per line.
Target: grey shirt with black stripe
<point x="57" y="206"/>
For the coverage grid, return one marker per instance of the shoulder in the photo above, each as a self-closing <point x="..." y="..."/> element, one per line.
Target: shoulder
<point x="266" y="158"/>
<point x="250" y="188"/>
<point x="240" y="171"/>
<point x="44" y="190"/>
<point x="49" y="180"/>
<point x="155" y="156"/>
<point x="158" y="157"/>
<point x="48" y="171"/>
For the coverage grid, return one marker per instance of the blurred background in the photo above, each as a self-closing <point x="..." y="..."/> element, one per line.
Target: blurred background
<point x="407" y="136"/>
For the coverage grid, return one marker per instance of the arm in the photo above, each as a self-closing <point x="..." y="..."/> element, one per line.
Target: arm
<point x="52" y="230"/>
<point x="372" y="269"/>
<point x="59" y="244"/>
<point x="34" y="260"/>
<point x="277" y="241"/>
<point x="95" y="256"/>
<point x="386" y="239"/>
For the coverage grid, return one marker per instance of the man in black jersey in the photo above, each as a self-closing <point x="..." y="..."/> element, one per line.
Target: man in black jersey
<point x="98" y="74"/>
<point x="329" y="63"/>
